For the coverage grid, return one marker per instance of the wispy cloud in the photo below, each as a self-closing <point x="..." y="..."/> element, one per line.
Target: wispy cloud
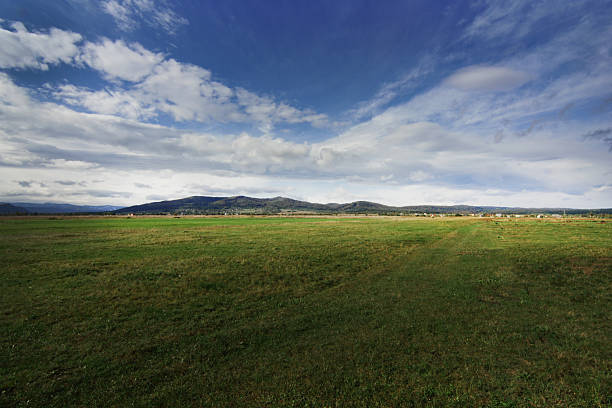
<point x="514" y="19"/>
<point x="389" y="91"/>
<point x="604" y="135"/>
<point x="69" y="183"/>
<point x="129" y="14"/>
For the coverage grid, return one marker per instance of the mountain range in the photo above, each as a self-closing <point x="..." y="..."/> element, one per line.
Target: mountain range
<point x="53" y="208"/>
<point x="10" y="209"/>
<point x="250" y="205"/>
<point x="276" y="205"/>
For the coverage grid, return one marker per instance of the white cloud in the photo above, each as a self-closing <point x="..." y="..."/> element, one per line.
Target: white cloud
<point x="187" y="92"/>
<point x="129" y="13"/>
<point x="153" y="84"/>
<point x="13" y="154"/>
<point x="483" y="78"/>
<point x="116" y="59"/>
<point x="266" y="153"/>
<point x="266" y="111"/>
<point x="12" y="95"/>
<point x="246" y="153"/>
<point x="69" y="164"/>
<point x="108" y="101"/>
<point x="184" y="91"/>
<point x="25" y="49"/>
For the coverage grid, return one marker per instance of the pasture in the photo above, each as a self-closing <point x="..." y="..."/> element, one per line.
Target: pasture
<point x="305" y="312"/>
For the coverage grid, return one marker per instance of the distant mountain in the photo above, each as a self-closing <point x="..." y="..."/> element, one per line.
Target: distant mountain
<point x="55" y="208"/>
<point x="250" y="205"/>
<point x="214" y="205"/>
<point x="10" y="209"/>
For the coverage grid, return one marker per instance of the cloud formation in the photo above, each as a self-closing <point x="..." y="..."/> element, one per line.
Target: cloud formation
<point x="128" y="13"/>
<point x="144" y="84"/>
<point x="118" y="60"/>
<point x="187" y="92"/>
<point x="422" y="151"/>
<point x="22" y="48"/>
<point x="389" y="91"/>
<point x="483" y="78"/>
<point x="515" y="19"/>
<point x="266" y="111"/>
<point x="604" y="135"/>
<point x="108" y="101"/>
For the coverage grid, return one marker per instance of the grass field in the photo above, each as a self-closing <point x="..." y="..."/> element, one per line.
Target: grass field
<point x="305" y="312"/>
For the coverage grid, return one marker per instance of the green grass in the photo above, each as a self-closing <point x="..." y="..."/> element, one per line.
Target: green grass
<point x="305" y="312"/>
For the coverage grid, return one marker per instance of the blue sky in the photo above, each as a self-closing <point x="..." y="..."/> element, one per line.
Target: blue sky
<point x="421" y="102"/>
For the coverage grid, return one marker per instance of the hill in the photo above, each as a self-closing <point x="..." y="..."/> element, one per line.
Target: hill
<point x="276" y="205"/>
<point x="204" y="204"/>
<point x="60" y="208"/>
<point x="10" y="209"/>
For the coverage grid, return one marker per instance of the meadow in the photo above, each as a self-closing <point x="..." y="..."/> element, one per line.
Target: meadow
<point x="305" y="312"/>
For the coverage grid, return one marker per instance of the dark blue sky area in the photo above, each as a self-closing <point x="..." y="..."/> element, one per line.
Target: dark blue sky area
<point x="318" y="54"/>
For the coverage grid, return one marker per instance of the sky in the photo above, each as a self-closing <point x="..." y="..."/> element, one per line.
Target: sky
<point x="122" y="102"/>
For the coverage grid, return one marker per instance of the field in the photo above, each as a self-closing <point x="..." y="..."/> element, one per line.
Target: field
<point x="305" y="312"/>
